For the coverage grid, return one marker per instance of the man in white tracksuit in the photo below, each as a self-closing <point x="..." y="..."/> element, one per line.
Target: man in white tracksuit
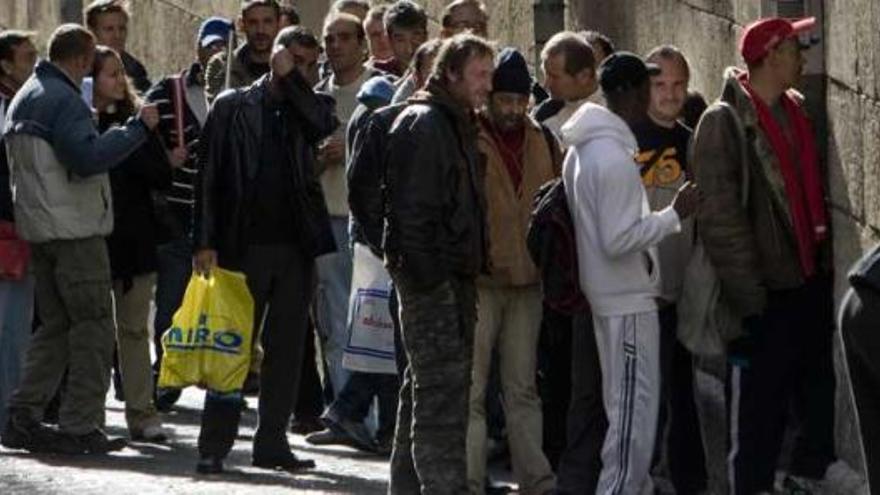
<point x="616" y="235"/>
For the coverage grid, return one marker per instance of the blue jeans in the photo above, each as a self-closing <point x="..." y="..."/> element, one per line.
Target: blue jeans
<point x="331" y="304"/>
<point x="172" y="276"/>
<point x="16" y="317"/>
<point x="353" y="402"/>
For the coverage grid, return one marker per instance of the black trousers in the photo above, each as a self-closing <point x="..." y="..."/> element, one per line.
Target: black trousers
<point x="581" y="461"/>
<point x="679" y="429"/>
<point x="279" y="277"/>
<point x="860" y="329"/>
<point x="310" y="400"/>
<point x="554" y="380"/>
<point x="790" y="370"/>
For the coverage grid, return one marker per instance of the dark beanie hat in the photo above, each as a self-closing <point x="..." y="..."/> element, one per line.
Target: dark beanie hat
<point x="511" y="73"/>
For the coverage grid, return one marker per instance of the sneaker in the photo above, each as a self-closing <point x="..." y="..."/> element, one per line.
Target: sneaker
<point x="151" y="434"/>
<point x="285" y="462"/>
<point x="97" y="442"/>
<point x="209" y="465"/>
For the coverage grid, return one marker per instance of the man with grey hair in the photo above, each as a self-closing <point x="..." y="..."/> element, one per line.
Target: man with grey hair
<point x="260" y="210"/>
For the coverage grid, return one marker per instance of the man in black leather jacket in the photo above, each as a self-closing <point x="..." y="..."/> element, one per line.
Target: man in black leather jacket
<point x="435" y="246"/>
<point x="260" y="210"/>
<point x="860" y="329"/>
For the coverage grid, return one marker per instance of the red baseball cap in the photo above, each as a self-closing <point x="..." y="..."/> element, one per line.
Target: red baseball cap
<point x="766" y="34"/>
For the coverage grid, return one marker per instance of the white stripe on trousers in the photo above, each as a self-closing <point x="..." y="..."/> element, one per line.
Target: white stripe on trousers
<point x="629" y="354"/>
<point x="735" y="393"/>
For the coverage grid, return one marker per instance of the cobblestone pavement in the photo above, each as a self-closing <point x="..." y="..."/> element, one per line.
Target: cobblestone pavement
<point x="146" y="469"/>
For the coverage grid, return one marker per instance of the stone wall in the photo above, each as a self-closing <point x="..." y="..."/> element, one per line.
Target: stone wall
<point x="853" y="106"/>
<point x="510" y="22"/>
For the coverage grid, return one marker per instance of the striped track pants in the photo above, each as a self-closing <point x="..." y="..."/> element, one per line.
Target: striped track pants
<point x="629" y="353"/>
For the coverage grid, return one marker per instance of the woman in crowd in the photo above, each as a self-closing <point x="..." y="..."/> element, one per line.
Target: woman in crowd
<point x="132" y="245"/>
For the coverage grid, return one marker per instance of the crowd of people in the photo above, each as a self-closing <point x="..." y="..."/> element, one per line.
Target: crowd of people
<point x="537" y="231"/>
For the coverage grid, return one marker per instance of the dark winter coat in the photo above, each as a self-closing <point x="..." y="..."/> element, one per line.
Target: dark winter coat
<point x="229" y="159"/>
<point x="753" y="249"/>
<point x="132" y="244"/>
<point x="435" y="215"/>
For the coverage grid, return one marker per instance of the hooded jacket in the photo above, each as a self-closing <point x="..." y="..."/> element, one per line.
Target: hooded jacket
<point x="616" y="232"/>
<point x="753" y="249"/>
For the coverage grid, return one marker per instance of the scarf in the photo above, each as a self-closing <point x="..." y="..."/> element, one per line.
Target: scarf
<point x="510" y="147"/>
<point x="803" y="187"/>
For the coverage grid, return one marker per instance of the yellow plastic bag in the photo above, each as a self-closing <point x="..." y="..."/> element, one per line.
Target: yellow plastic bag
<point x="209" y="342"/>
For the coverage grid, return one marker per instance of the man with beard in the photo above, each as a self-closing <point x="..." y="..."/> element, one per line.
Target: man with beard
<point x="435" y="247"/>
<point x="519" y="160"/>
<point x="260" y="20"/>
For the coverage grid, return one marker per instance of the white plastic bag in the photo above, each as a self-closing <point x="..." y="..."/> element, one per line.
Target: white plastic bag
<point x="370" y="346"/>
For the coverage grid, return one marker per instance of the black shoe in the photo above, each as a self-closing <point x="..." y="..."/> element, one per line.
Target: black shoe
<point x="97" y="442"/>
<point x="305" y="426"/>
<point x="34" y="437"/>
<point x="209" y="465"/>
<point x="16" y="436"/>
<point x="285" y="462"/>
<point x="357" y="434"/>
<point x="166" y="398"/>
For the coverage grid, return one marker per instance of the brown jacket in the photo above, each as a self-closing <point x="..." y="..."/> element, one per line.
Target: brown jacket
<point x="508" y="212"/>
<point x="753" y="249"/>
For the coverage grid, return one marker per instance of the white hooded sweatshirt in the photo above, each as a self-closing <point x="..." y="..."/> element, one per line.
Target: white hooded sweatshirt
<point x="615" y="230"/>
